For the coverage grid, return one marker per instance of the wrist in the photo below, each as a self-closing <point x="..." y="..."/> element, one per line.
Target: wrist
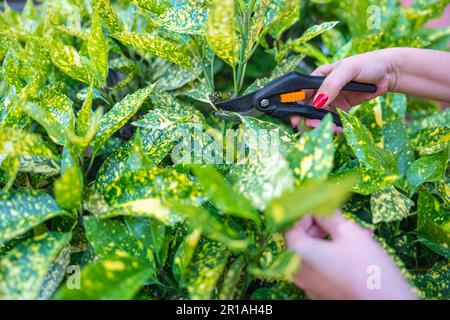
<point x="392" y="60"/>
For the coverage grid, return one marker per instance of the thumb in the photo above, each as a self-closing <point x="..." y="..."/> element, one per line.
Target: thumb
<point x="333" y="84"/>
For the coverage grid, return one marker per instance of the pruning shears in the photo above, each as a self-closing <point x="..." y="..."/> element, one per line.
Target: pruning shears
<point x="279" y="98"/>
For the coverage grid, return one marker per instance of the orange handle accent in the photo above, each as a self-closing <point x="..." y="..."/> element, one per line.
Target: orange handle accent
<point x="292" y="96"/>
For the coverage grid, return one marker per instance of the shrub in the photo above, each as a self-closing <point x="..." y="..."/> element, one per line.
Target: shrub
<point x="106" y="106"/>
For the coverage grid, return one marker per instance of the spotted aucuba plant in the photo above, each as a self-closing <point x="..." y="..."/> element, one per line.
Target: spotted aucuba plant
<point x="117" y="179"/>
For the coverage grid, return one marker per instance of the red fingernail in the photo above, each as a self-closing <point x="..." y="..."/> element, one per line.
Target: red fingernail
<point x="320" y="100"/>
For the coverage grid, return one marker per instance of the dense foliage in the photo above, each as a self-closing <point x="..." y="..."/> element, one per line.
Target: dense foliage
<point x="115" y="180"/>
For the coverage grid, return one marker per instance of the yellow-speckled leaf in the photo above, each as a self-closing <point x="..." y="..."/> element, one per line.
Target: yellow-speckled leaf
<point x="281" y="15"/>
<point x="183" y="255"/>
<point x="23" y="269"/>
<point x="120" y="113"/>
<point x="68" y="188"/>
<point x="98" y="48"/>
<point x="142" y="193"/>
<point x="284" y="267"/>
<point x="206" y="269"/>
<point x="389" y="205"/>
<point x="117" y="278"/>
<point x="431" y="140"/>
<point x="23" y="209"/>
<point x="285" y="66"/>
<point x="309" y="34"/>
<point x="69" y="61"/>
<point x="221" y="33"/>
<point x="84" y="115"/>
<point x="157" y="46"/>
<point x="364" y="147"/>
<point x="156" y="6"/>
<point x="311" y="158"/>
<point x="213" y="227"/>
<point x="229" y="289"/>
<point x="10" y="167"/>
<point x="427" y="169"/>
<point x="189" y="17"/>
<point x="111" y="238"/>
<point x="108" y="15"/>
<point x="14" y="142"/>
<point x="321" y="198"/>
<point x="367" y="181"/>
<point x="223" y="195"/>
<point x="435" y="283"/>
<point x="433" y="220"/>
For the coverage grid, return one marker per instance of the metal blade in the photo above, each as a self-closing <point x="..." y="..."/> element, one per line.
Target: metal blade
<point x="242" y="104"/>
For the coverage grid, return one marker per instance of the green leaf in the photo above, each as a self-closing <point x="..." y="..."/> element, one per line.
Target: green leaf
<point x="321" y="198"/>
<point x="142" y="193"/>
<point x="212" y="226"/>
<point x="311" y="158"/>
<point x="10" y="166"/>
<point x="156" y="45"/>
<point x="187" y="18"/>
<point x="206" y="269"/>
<point x="23" y="270"/>
<point x="150" y="231"/>
<point x="367" y="181"/>
<point x="84" y="115"/>
<point x="395" y="135"/>
<point x="280" y="291"/>
<point x="68" y="188"/>
<point x="55" y="275"/>
<point x="229" y="288"/>
<point x="111" y="238"/>
<point x="282" y="14"/>
<point x="97" y="47"/>
<point x="285" y="66"/>
<point x="21" y="210"/>
<point x="309" y="34"/>
<point x="427" y="169"/>
<point x="108" y="15"/>
<point x="433" y="221"/>
<point x="284" y="268"/>
<point x="263" y="173"/>
<point x="389" y="205"/>
<point x="116" y="278"/>
<point x="156" y="6"/>
<point x="223" y="195"/>
<point x="220" y="33"/>
<point x="435" y="283"/>
<point x="68" y="60"/>
<point x="364" y="147"/>
<point x="183" y="255"/>
<point x="431" y="140"/>
<point x="119" y="114"/>
<point x="438" y="119"/>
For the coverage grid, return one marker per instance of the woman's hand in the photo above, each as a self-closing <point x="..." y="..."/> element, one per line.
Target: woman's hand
<point x="349" y="266"/>
<point x="419" y="72"/>
<point x="371" y="67"/>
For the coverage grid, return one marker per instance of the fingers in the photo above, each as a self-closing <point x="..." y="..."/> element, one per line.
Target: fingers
<point x="295" y="120"/>
<point x="314" y="123"/>
<point x="333" y="84"/>
<point x="332" y="225"/>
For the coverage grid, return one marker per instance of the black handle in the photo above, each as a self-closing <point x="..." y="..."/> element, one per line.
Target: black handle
<point x="304" y="110"/>
<point x="295" y="81"/>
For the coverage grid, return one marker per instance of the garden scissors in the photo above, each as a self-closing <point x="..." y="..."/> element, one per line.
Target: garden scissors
<point x="279" y="98"/>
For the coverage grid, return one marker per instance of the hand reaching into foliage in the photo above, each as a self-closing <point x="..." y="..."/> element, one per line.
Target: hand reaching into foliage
<point x="417" y="72"/>
<point x="346" y="266"/>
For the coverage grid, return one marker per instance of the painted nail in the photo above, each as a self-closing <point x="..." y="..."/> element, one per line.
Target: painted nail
<point x="320" y="100"/>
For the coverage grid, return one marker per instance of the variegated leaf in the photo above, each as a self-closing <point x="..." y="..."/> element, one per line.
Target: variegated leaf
<point x="21" y="210"/>
<point x="389" y="205"/>
<point x="106" y="12"/>
<point x="431" y="140"/>
<point x="221" y="33"/>
<point x="156" y="45"/>
<point x="311" y="158"/>
<point x="284" y="267"/>
<point x="24" y="268"/>
<point x="206" y="269"/>
<point x="119" y="114"/>
<point x="98" y="48"/>
<point x="117" y="278"/>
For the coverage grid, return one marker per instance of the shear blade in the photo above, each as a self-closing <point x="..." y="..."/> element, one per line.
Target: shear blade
<point x="242" y="104"/>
